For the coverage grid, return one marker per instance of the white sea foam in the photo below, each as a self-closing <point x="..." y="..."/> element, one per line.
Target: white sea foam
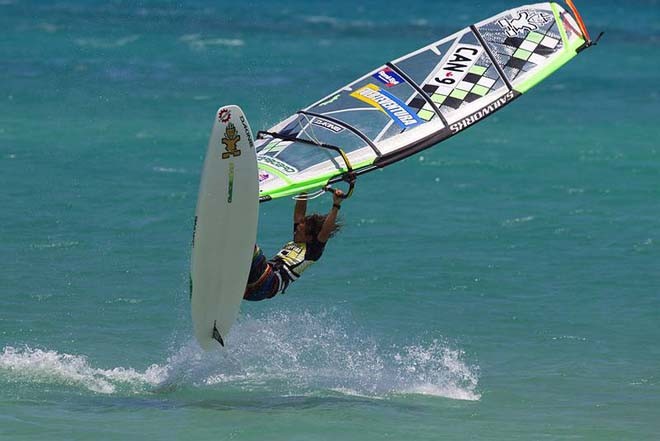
<point x="321" y="19"/>
<point x="420" y="22"/>
<point x="104" y="43"/>
<point x="169" y="170"/>
<point x="124" y="300"/>
<point x="308" y="352"/>
<point x="51" y="367"/>
<point x="48" y="27"/>
<point x="282" y="353"/>
<point x="518" y="220"/>
<point x="55" y="244"/>
<point x="338" y="24"/>
<point x="197" y="42"/>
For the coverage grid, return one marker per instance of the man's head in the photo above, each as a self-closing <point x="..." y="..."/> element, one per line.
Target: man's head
<point x="310" y="227"/>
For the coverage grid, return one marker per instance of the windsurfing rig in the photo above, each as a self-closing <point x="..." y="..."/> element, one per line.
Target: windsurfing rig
<point x="417" y="101"/>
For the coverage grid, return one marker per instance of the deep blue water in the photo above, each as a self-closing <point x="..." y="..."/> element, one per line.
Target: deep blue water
<point x="503" y="285"/>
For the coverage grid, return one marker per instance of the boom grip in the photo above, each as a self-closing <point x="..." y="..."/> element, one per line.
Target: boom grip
<point x="348" y="177"/>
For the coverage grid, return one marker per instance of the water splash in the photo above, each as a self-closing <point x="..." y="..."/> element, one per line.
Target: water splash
<point x="302" y="353"/>
<point x="50" y="367"/>
<point x="281" y="353"/>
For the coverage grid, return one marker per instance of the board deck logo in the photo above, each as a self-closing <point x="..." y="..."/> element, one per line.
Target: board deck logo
<point x="230" y="140"/>
<point x="230" y="185"/>
<point x="247" y="131"/>
<point x="389" y="104"/>
<point x="388" y="77"/>
<point x="327" y="125"/>
<point x="525" y="21"/>
<point x="224" y="115"/>
<point x="456" y="67"/>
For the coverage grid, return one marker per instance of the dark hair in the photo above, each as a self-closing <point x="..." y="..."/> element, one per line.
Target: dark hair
<point x="314" y="223"/>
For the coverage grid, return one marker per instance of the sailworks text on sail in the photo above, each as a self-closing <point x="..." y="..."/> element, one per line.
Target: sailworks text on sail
<point x="416" y="101"/>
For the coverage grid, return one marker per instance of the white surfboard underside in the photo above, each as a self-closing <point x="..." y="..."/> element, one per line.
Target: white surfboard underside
<point x="225" y="227"/>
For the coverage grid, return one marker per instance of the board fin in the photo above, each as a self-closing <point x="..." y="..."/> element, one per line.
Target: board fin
<point x="216" y="335"/>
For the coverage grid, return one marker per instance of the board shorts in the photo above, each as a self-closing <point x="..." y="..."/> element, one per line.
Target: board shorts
<point x="263" y="282"/>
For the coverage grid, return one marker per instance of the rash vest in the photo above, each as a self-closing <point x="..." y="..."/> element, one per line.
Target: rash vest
<point x="294" y="258"/>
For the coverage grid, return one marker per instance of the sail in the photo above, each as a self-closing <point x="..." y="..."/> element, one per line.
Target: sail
<point x="418" y="100"/>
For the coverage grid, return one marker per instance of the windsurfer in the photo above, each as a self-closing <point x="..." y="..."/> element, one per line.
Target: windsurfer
<point x="310" y="235"/>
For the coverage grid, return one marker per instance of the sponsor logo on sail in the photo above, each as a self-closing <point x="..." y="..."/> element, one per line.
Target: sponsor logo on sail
<point x="388" y="77"/>
<point x="277" y="164"/>
<point x="456" y="67"/>
<point x="389" y="104"/>
<point x="525" y="21"/>
<point x="263" y="176"/>
<point x="480" y="114"/>
<point x="327" y="125"/>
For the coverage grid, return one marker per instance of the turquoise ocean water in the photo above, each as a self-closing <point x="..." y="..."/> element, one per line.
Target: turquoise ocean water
<point x="501" y="286"/>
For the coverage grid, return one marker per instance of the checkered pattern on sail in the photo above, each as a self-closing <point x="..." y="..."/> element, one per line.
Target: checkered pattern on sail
<point x="480" y="80"/>
<point x="475" y="85"/>
<point x="534" y="48"/>
<point x="522" y="40"/>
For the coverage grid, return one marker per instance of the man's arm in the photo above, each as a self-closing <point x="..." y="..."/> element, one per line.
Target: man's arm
<point x="300" y="210"/>
<point x="331" y="219"/>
